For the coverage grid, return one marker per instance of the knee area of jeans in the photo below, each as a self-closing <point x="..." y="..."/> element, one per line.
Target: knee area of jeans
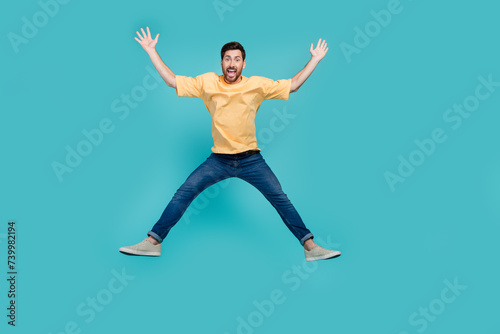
<point x="279" y="197"/>
<point x="184" y="194"/>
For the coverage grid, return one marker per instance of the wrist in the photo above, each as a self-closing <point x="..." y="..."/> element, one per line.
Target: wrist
<point x="315" y="60"/>
<point x="150" y="51"/>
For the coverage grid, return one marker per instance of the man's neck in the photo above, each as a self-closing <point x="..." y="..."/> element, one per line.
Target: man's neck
<point x="231" y="83"/>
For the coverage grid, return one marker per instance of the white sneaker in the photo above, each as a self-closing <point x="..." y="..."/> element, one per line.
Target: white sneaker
<point x="320" y="253"/>
<point x="144" y="247"/>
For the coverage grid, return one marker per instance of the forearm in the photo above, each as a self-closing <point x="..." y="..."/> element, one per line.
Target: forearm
<point x="302" y="76"/>
<point x="165" y="72"/>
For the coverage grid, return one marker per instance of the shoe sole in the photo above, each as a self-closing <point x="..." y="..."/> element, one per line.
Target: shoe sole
<point x="324" y="257"/>
<point x="127" y="251"/>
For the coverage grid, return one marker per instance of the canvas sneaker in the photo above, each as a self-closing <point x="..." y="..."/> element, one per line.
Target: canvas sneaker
<point x="144" y="247"/>
<point x="320" y="253"/>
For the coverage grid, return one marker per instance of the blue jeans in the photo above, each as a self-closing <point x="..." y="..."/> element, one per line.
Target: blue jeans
<point x="249" y="166"/>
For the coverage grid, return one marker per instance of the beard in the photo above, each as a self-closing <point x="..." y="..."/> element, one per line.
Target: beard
<point x="234" y="78"/>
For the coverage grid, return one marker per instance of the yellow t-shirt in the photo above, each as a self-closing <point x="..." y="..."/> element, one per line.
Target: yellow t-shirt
<point x="232" y="107"/>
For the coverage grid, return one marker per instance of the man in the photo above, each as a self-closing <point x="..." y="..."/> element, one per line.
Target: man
<point x="233" y="101"/>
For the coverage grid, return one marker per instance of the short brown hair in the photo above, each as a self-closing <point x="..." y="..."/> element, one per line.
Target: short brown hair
<point x="232" y="46"/>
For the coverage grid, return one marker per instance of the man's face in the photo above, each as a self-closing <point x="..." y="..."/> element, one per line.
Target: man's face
<point x="232" y="65"/>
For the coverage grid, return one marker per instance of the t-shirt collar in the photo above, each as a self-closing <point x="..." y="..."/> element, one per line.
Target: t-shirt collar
<point x="224" y="83"/>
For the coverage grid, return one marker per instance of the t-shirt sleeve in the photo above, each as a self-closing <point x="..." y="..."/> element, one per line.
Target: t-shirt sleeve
<point x="279" y="89"/>
<point x="188" y="86"/>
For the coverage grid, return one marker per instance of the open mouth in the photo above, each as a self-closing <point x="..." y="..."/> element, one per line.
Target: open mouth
<point x="231" y="73"/>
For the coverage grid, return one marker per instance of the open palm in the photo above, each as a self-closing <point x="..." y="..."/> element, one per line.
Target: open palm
<point x="146" y="41"/>
<point x="320" y="51"/>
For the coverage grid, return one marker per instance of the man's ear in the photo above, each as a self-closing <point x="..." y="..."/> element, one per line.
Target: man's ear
<point x="244" y="63"/>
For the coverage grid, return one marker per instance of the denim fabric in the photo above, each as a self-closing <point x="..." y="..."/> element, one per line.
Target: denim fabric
<point x="249" y="166"/>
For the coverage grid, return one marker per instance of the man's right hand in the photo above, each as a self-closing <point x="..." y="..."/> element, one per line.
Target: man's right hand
<point x="149" y="44"/>
<point x="146" y="41"/>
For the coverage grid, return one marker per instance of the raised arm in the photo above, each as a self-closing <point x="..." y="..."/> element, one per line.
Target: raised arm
<point x="316" y="55"/>
<point x="149" y="44"/>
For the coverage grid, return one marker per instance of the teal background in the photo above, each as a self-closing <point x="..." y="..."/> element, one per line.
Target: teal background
<point x="352" y="122"/>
